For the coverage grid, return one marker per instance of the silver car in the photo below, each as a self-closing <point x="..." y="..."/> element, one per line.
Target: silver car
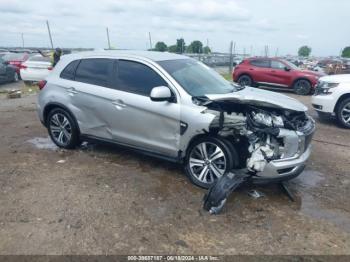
<point x="178" y="109"/>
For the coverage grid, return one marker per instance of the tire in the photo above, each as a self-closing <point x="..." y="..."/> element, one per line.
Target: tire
<point x="62" y="129"/>
<point x="245" y="80"/>
<point x="203" y="170"/>
<point x="343" y="113"/>
<point x="15" y="77"/>
<point x="302" y="87"/>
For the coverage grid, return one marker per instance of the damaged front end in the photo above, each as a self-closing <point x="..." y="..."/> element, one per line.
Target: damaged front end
<point x="273" y="143"/>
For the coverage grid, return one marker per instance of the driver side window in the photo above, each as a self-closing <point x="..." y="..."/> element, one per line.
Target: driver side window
<point x="134" y="77"/>
<point x="277" y="65"/>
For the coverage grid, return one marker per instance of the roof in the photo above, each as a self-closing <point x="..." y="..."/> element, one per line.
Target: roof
<point x="151" y="55"/>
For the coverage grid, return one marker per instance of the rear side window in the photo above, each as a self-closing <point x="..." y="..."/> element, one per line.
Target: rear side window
<point x="260" y="63"/>
<point x="95" y="71"/>
<point x="137" y="78"/>
<point x="69" y="71"/>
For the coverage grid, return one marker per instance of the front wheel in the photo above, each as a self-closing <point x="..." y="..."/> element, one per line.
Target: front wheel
<point x="245" y="80"/>
<point x="208" y="159"/>
<point x="63" y="130"/>
<point x="343" y="113"/>
<point x="302" y="87"/>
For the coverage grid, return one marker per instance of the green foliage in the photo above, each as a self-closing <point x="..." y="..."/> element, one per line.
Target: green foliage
<point x="304" y="51"/>
<point x="172" y="48"/>
<point x="161" y="46"/>
<point x="180" y="45"/>
<point x="195" y="47"/>
<point x="346" y="52"/>
<point x="206" y="50"/>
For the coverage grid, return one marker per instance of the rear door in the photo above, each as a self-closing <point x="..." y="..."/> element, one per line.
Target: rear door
<point x="259" y="69"/>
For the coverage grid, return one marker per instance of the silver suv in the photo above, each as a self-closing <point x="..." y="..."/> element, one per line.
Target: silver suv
<point x="176" y="108"/>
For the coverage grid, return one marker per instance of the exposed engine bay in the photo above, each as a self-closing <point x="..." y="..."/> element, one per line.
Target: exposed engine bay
<point x="268" y="133"/>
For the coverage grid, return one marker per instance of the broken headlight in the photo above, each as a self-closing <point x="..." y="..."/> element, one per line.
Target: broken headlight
<point x="268" y="119"/>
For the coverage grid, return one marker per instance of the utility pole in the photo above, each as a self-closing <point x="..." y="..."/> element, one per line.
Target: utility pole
<point x="231" y="58"/>
<point x="207" y="42"/>
<point x="150" y="40"/>
<point x="109" y="42"/>
<point x="22" y="40"/>
<point x="48" y="29"/>
<point x="276" y="54"/>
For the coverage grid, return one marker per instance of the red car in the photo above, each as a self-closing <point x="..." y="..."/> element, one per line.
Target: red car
<point x="16" y="59"/>
<point x="275" y="73"/>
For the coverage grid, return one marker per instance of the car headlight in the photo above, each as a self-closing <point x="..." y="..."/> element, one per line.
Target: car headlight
<point x="268" y="120"/>
<point x="326" y="88"/>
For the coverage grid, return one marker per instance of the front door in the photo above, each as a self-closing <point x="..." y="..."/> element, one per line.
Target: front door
<point x="139" y="121"/>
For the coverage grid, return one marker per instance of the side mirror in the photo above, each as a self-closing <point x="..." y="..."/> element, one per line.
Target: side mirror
<point x="161" y="93"/>
<point x="287" y="68"/>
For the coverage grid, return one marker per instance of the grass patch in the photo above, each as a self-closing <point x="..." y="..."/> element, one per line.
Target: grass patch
<point x="227" y="76"/>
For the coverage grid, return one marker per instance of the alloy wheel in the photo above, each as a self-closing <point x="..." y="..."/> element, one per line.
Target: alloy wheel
<point x="244" y="81"/>
<point x="302" y="87"/>
<point x="345" y="113"/>
<point x="207" y="162"/>
<point x="61" y="129"/>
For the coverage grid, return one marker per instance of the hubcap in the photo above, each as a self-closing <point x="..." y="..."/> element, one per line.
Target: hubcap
<point x="207" y="162"/>
<point x="345" y="113"/>
<point x="60" y="129"/>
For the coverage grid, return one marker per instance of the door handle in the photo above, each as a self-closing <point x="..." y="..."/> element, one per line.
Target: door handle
<point x="72" y="90"/>
<point x="119" y="103"/>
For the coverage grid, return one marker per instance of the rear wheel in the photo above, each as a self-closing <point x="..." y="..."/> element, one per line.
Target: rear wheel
<point x="63" y="130"/>
<point x="343" y="113"/>
<point x="245" y="80"/>
<point x="302" y="87"/>
<point x="207" y="160"/>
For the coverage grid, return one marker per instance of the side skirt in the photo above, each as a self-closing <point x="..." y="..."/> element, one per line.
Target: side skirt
<point x="105" y="141"/>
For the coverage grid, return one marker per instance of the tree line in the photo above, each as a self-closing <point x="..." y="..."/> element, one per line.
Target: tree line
<point x="180" y="47"/>
<point x="305" y="51"/>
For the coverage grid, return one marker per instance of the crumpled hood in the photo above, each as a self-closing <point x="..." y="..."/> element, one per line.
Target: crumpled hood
<point x="259" y="97"/>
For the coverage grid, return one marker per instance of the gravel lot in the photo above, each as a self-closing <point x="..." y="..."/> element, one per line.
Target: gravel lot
<point x="107" y="200"/>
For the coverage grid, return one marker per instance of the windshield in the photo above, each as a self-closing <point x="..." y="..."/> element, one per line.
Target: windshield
<point x="196" y="78"/>
<point x="291" y="65"/>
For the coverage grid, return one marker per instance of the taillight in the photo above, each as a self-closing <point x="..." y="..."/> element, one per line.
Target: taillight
<point x="41" y="84"/>
<point x="22" y="66"/>
<point x="50" y="68"/>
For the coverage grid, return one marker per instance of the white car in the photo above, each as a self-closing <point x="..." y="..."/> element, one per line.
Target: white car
<point x="332" y="97"/>
<point x="35" y="69"/>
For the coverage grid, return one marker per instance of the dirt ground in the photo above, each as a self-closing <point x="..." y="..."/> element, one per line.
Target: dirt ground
<point x="107" y="200"/>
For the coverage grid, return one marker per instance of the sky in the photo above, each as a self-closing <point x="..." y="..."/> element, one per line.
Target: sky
<point x="283" y="25"/>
